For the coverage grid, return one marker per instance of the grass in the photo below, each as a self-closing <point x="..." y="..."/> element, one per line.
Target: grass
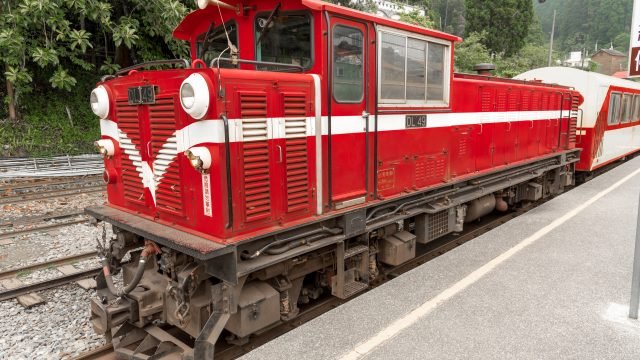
<point x="53" y="123"/>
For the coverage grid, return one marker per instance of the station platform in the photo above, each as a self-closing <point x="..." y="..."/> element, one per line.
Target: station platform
<point x="553" y="283"/>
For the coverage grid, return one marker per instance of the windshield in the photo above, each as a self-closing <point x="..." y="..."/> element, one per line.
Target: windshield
<point x="216" y="43"/>
<point x="286" y="39"/>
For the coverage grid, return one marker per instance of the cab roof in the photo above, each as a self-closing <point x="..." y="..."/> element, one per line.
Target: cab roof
<point x="185" y="29"/>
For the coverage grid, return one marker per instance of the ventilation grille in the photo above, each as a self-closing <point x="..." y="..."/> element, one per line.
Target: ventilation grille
<point x="485" y="100"/>
<point x="162" y="121"/>
<point x="573" y="122"/>
<point x="255" y="154"/>
<point x="501" y="101"/>
<point x="438" y="225"/>
<point x="525" y="105"/>
<point x="129" y="133"/>
<point x="296" y="153"/>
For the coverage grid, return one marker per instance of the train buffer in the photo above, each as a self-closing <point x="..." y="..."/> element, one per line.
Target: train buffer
<point x="552" y="283"/>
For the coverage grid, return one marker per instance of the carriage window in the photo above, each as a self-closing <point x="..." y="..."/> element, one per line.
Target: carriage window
<point x="347" y="64"/>
<point x="626" y="108"/>
<point x="216" y="43"/>
<point x="412" y="71"/>
<point x="614" y="109"/>
<point x="285" y="39"/>
<point x="636" y="108"/>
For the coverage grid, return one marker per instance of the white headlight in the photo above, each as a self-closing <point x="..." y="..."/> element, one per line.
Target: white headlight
<point x="194" y="96"/>
<point x="199" y="157"/>
<point x="100" y="102"/>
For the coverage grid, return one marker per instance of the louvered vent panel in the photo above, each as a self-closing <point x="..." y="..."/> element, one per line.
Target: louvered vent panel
<point x="129" y="133"/>
<point x="513" y="101"/>
<point x="255" y="152"/>
<point x="545" y="102"/>
<point x="535" y="101"/>
<point x="525" y="105"/>
<point x="485" y="100"/>
<point x="573" y="122"/>
<point x="296" y="153"/>
<point x="162" y="121"/>
<point x="501" y="101"/>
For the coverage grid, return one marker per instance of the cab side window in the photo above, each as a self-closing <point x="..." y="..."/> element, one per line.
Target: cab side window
<point x="347" y="64"/>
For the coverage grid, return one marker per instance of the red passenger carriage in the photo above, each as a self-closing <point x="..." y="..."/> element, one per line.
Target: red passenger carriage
<point x="302" y="147"/>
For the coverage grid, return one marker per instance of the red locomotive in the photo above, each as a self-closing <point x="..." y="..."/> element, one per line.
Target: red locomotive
<point x="301" y="148"/>
<point x="609" y="115"/>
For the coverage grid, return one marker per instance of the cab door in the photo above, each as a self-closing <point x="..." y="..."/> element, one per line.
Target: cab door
<point x="348" y="117"/>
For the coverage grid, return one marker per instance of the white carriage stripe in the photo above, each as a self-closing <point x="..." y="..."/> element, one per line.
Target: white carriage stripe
<point x="212" y="131"/>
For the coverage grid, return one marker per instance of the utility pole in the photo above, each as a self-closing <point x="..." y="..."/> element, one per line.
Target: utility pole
<point x="553" y="29"/>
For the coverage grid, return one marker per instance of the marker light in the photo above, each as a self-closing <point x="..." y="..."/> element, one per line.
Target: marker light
<point x="100" y="102"/>
<point x="194" y="96"/>
<point x="105" y="147"/>
<point x="200" y="158"/>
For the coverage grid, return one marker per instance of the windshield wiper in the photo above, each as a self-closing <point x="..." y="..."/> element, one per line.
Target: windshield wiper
<point x="273" y="14"/>
<point x="205" y="42"/>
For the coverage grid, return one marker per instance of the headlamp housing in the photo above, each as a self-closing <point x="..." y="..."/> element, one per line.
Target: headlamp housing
<point x="195" y="96"/>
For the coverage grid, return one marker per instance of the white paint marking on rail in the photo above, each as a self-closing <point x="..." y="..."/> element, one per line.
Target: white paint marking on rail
<point x="424" y="309"/>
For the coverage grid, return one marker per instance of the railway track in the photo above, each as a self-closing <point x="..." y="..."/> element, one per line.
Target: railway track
<point x="34" y="184"/>
<point x="34" y="224"/>
<point x="65" y="278"/>
<point x="50" y="194"/>
<point x="310" y="312"/>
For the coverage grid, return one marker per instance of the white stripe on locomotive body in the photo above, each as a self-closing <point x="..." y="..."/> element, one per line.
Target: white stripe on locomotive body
<point x="212" y="131"/>
<point x="617" y="143"/>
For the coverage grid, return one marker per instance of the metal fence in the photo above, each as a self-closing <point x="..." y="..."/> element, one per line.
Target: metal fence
<point x="53" y="166"/>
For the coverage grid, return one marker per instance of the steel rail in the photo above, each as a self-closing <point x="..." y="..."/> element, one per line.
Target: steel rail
<point x="10" y="234"/>
<point x="12" y="273"/>
<point x="31" y="220"/>
<point x="50" y="194"/>
<point x="48" y="284"/>
<point x="39" y="183"/>
<point x="102" y="352"/>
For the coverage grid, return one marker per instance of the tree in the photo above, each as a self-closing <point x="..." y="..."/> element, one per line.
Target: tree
<point x="362" y="5"/>
<point x="415" y="18"/>
<point x="45" y="42"/>
<point x="506" y="23"/>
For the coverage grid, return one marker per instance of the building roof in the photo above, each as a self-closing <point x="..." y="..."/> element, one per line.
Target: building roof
<point x="611" y="52"/>
<point x="621" y="74"/>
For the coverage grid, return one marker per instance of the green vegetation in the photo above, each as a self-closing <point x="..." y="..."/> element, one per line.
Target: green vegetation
<point x="52" y="52"/>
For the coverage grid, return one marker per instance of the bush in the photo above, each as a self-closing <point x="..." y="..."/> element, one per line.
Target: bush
<point x="53" y="123"/>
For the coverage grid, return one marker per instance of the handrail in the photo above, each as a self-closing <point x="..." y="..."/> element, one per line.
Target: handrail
<point x="216" y="62"/>
<point x="185" y="62"/>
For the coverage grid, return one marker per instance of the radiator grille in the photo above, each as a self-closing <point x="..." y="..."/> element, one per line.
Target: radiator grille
<point x="485" y="100"/>
<point x="255" y="155"/>
<point x="438" y="224"/>
<point x="129" y="133"/>
<point x="297" y="170"/>
<point x="162" y="121"/>
<point x="573" y="122"/>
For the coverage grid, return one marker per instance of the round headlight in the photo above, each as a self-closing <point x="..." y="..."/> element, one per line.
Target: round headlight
<point x="194" y="96"/>
<point x="186" y="96"/>
<point x="99" y="100"/>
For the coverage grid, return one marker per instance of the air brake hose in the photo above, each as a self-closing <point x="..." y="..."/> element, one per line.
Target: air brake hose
<point x="150" y="248"/>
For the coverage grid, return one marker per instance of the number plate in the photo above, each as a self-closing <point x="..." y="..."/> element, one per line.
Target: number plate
<point x="142" y="95"/>
<point x="416" y="121"/>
